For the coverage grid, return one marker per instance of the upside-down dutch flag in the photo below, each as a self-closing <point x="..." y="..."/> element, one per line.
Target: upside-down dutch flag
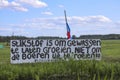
<point x="68" y="31"/>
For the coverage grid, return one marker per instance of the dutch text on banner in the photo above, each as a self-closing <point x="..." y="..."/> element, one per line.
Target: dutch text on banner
<point x="40" y="50"/>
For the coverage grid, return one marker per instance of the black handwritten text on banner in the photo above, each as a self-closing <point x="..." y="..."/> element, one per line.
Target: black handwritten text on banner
<point x="30" y="51"/>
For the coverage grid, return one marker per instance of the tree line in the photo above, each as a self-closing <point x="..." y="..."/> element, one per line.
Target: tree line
<point x="102" y="37"/>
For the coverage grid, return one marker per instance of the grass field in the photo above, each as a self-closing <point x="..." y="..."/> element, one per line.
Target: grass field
<point x="4" y="54"/>
<point x="106" y="69"/>
<point x="111" y="50"/>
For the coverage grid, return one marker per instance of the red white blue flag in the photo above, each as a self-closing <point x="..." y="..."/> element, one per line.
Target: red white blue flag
<point x="67" y="26"/>
<point x="68" y="31"/>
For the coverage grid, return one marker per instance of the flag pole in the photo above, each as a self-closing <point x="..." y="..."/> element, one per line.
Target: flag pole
<point x="65" y="16"/>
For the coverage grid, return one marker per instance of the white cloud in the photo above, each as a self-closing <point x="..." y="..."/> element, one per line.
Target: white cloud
<point x="19" y="5"/>
<point x="118" y="23"/>
<point x="90" y="19"/>
<point x="34" y="3"/>
<point x="61" y="6"/>
<point x="3" y="3"/>
<point x="75" y="20"/>
<point x="5" y="29"/>
<point x="98" y="18"/>
<point x="87" y="24"/>
<point x="20" y="9"/>
<point x="47" y="13"/>
<point x="59" y="22"/>
<point x="12" y="5"/>
<point x="56" y="26"/>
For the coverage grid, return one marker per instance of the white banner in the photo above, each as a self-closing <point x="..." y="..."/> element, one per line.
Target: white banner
<point x="30" y="51"/>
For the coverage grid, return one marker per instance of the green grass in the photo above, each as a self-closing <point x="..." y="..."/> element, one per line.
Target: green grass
<point x="106" y="69"/>
<point x="111" y="50"/>
<point x="4" y="53"/>
<point x="62" y="70"/>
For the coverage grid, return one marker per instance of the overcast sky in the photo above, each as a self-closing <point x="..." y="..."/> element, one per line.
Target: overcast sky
<point x="46" y="17"/>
